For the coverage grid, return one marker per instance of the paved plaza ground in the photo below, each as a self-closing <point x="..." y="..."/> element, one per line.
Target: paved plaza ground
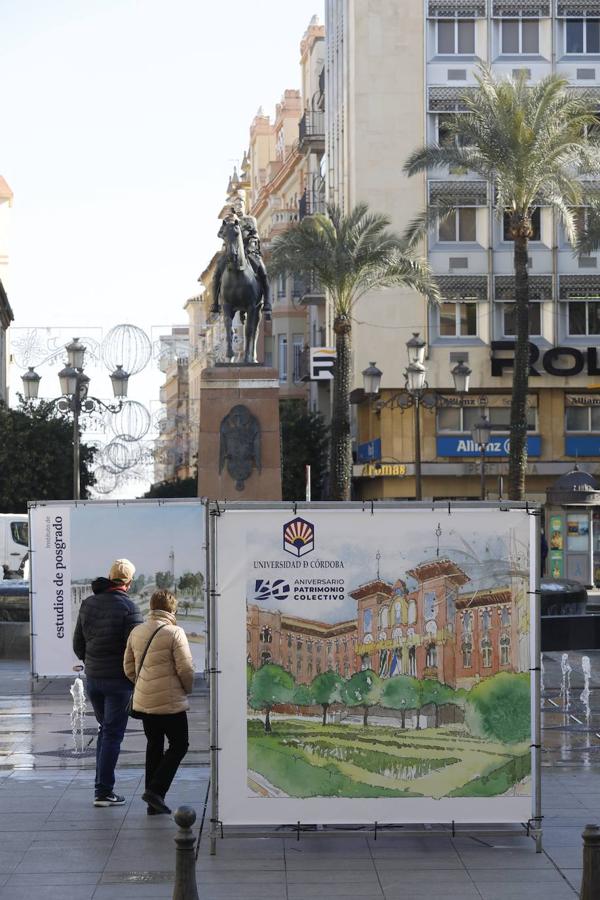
<point x="55" y="844"/>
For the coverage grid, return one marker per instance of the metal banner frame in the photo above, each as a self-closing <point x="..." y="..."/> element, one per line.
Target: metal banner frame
<point x="74" y="504"/>
<point x="220" y="829"/>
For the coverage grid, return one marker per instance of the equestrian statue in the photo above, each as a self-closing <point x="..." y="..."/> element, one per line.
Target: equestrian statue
<point x="240" y="282"/>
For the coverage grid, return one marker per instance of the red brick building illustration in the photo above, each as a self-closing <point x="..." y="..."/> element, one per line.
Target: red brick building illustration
<point x="432" y="631"/>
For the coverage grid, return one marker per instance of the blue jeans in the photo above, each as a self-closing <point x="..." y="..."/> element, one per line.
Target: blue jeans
<point x="110" y="700"/>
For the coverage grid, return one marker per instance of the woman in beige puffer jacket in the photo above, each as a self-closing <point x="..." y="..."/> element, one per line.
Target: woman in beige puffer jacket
<point x="161" y="693"/>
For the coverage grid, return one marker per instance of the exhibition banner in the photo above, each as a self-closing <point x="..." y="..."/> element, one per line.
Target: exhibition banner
<point x="374" y="664"/>
<point x="72" y="544"/>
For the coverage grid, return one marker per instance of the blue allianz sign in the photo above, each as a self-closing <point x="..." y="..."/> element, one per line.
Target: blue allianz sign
<point x="463" y="445"/>
<point x="582" y="445"/>
<point x="369" y="452"/>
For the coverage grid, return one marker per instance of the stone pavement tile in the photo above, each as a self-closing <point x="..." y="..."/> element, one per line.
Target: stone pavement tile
<point x="534" y="892"/>
<point x="10" y="859"/>
<point x="27" y="822"/>
<point x="562" y="836"/>
<point x="418" y="860"/>
<point x="434" y="879"/>
<point x="70" y="859"/>
<point x="548" y="876"/>
<point x="567" y="857"/>
<point x="48" y="892"/>
<point x="426" y="892"/>
<point x="325" y="861"/>
<point x="231" y="879"/>
<point x="496" y="858"/>
<point x="61" y="838"/>
<point x="54" y="878"/>
<point x="337" y="875"/>
<point x="330" y="889"/>
<point x="573" y="876"/>
<point x="238" y="848"/>
<point x="37" y="802"/>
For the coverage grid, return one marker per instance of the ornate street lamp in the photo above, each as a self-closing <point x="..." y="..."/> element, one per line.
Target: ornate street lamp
<point x="74" y="386"/>
<point x="371" y="379"/>
<point x="461" y="374"/>
<point x="481" y="435"/>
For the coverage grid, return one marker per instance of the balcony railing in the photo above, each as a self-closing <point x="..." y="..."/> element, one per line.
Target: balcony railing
<point x="311" y="202"/>
<point x="313" y="293"/>
<point x="311" y="129"/>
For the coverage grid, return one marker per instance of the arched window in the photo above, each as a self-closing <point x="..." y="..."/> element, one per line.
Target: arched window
<point x="265" y="635"/>
<point x="397" y="613"/>
<point x="486" y="619"/>
<point x="382" y="636"/>
<point x="467" y="623"/>
<point x="383" y="617"/>
<point x="431" y="628"/>
<point x="289" y="640"/>
<point x="309" y="646"/>
<point x="431" y="656"/>
<point x="504" y="650"/>
<point x="429" y="606"/>
<point x="367" y="621"/>
<point x="318" y="667"/>
<point x="346" y="669"/>
<point x="396" y="667"/>
<point x="309" y="669"/>
<point x="265" y="657"/>
<point x="365" y="661"/>
<point x="298" y="646"/>
<point x="248" y="636"/>
<point x="397" y="634"/>
<point x="505" y="616"/>
<point x="412" y="662"/>
<point x="486" y="653"/>
<point x="412" y="612"/>
<point x="450" y="606"/>
<point x="467" y="652"/>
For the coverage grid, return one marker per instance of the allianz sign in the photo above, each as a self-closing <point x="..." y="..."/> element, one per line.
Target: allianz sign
<point x="497" y="446"/>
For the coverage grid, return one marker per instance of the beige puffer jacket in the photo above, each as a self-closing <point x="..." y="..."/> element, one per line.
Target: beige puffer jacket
<point x="167" y="675"/>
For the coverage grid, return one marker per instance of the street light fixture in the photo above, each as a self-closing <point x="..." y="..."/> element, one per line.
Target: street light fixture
<point x="74" y="385"/>
<point x="481" y="435"/>
<point x="416" y="392"/>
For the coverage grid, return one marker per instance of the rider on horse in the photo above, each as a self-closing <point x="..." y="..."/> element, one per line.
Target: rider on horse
<point x="251" y="240"/>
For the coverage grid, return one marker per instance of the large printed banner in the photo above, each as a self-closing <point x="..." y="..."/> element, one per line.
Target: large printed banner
<point x="72" y="544"/>
<point x="374" y="666"/>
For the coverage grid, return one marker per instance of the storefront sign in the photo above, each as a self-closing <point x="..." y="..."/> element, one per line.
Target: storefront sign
<point x="368" y="451"/>
<point x="383" y="470"/>
<point x="582" y="399"/>
<point x="462" y="445"/>
<point x="582" y="445"/>
<point x="573" y="360"/>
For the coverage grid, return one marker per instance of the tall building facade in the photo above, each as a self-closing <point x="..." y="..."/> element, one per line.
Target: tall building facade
<point x="6" y="313"/>
<point x="394" y="73"/>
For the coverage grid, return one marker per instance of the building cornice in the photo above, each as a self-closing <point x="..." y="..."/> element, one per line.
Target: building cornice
<point x="6" y="313"/>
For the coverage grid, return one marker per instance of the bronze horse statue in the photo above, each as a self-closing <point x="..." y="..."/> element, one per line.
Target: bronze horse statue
<point x="239" y="290"/>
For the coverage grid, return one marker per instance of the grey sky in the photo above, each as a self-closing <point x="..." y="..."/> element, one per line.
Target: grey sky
<point x="121" y="122"/>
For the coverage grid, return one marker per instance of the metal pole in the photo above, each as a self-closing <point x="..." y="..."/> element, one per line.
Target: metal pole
<point x="213" y="695"/>
<point x="536" y="663"/>
<point x="590" y="881"/>
<point x="418" y="487"/>
<point x="482" y="491"/>
<point x="185" y="858"/>
<point x="76" y="486"/>
<point x="307" y="476"/>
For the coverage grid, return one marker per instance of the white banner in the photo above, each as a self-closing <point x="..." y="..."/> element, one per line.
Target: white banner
<point x="50" y="571"/>
<point x="374" y="666"/>
<point x="73" y="544"/>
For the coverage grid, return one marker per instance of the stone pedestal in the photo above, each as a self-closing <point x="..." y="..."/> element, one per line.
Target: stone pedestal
<point x="257" y="389"/>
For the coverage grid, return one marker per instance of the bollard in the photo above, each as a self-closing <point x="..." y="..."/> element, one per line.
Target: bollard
<point x="185" y="856"/>
<point x="590" y="882"/>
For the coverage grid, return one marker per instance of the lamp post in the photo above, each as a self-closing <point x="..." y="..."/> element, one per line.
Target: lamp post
<point x="481" y="434"/>
<point x="416" y="392"/>
<point x="74" y="386"/>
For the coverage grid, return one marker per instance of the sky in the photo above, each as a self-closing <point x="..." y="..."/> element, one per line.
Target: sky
<point x="120" y="124"/>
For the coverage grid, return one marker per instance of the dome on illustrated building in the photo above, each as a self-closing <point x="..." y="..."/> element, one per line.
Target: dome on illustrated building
<point x="575" y="488"/>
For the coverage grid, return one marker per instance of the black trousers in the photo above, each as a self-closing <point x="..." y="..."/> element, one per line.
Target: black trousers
<point x="162" y="765"/>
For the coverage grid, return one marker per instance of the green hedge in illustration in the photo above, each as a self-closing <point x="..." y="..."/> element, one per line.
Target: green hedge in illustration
<point x="499" y="708"/>
<point x="497" y="782"/>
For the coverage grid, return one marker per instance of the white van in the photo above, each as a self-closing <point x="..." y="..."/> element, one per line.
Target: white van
<point x="14" y="545"/>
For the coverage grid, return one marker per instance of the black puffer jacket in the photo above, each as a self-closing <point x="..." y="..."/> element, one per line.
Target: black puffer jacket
<point x="103" y="625"/>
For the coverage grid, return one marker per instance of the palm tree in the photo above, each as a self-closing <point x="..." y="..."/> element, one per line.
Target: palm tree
<point x="350" y="255"/>
<point x="531" y="144"/>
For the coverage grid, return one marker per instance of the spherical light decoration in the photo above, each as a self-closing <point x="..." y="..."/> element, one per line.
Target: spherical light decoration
<point x="132" y="423"/>
<point x="123" y="455"/>
<point x="127" y="346"/>
<point x="106" y="481"/>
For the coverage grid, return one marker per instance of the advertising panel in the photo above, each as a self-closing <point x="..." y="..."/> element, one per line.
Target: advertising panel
<point x="72" y="544"/>
<point x="557" y="566"/>
<point x="374" y="665"/>
<point x="499" y="445"/>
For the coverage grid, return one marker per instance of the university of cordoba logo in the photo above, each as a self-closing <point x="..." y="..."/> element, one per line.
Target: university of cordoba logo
<point x="298" y="537"/>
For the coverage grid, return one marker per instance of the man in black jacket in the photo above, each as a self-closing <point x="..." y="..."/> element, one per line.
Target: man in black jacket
<point x="103" y="626"/>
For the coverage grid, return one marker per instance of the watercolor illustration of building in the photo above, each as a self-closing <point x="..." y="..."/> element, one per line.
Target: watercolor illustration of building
<point x="439" y="629"/>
